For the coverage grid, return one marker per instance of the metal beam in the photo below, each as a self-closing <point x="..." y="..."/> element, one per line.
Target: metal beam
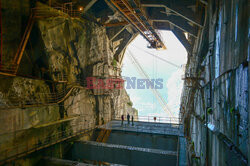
<point x="89" y="5"/>
<point x="178" y="9"/>
<point x="162" y="25"/>
<point x="126" y="38"/>
<point x="123" y="28"/>
<point x="116" y="24"/>
<point x="182" y="38"/>
<point x="134" y="16"/>
<point x="177" y="26"/>
<point x="177" y="21"/>
<point x="123" y="51"/>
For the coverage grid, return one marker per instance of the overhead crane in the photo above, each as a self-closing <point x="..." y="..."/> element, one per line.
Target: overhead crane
<point x="137" y="18"/>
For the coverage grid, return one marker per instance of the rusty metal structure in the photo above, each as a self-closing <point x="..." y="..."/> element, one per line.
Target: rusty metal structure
<point x="103" y="136"/>
<point x="137" y="18"/>
<point x="65" y="10"/>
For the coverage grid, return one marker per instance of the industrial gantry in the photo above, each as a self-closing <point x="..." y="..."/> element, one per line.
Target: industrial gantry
<point x="134" y="15"/>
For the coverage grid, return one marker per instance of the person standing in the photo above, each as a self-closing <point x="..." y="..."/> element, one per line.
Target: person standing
<point x="132" y="120"/>
<point x="122" y="119"/>
<point x="128" y="118"/>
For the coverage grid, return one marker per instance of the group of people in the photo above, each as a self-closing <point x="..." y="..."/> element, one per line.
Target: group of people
<point x="128" y="118"/>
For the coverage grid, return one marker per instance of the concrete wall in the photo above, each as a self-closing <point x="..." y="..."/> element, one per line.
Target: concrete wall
<point x="83" y="152"/>
<point x="144" y="140"/>
<point x="219" y="96"/>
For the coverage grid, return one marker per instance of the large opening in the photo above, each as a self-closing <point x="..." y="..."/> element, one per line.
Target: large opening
<point x="163" y="67"/>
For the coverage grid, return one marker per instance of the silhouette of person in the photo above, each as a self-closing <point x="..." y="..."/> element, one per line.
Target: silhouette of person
<point x="155" y="119"/>
<point x="132" y="120"/>
<point x="128" y="118"/>
<point x="122" y="119"/>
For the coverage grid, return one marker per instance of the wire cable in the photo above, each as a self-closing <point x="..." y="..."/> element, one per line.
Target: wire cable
<point x="164" y="60"/>
<point x="155" y="92"/>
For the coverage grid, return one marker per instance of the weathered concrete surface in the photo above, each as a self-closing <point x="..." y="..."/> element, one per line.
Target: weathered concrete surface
<point x="128" y="147"/>
<point x="152" y="141"/>
<point x="121" y="154"/>
<point x="182" y="152"/>
<point x="218" y="96"/>
<point x="61" y="162"/>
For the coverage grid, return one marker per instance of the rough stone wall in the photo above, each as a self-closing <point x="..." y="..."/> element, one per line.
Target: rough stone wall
<point x="123" y="106"/>
<point x="62" y="52"/>
<point x="218" y="98"/>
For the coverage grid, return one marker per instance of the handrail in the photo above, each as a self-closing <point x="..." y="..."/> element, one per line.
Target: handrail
<point x="152" y="119"/>
<point x="50" y="99"/>
<point x="80" y="128"/>
<point x="27" y="147"/>
<point x="171" y="129"/>
<point x="42" y="12"/>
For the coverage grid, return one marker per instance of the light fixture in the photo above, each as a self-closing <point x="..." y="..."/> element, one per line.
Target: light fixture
<point x="80" y="8"/>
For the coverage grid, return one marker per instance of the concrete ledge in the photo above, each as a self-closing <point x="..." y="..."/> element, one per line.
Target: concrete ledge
<point x="132" y="148"/>
<point x="145" y="127"/>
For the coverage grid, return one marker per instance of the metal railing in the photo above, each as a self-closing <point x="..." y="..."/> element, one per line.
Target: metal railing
<point x="149" y="127"/>
<point x="43" y="99"/>
<point x="26" y="147"/>
<point x="152" y="119"/>
<point x="11" y="68"/>
<point x="44" y="12"/>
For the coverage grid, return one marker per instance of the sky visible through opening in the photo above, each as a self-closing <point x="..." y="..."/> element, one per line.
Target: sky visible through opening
<point x="143" y="99"/>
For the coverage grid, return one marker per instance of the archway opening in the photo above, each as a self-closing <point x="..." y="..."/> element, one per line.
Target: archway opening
<point x="164" y="66"/>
